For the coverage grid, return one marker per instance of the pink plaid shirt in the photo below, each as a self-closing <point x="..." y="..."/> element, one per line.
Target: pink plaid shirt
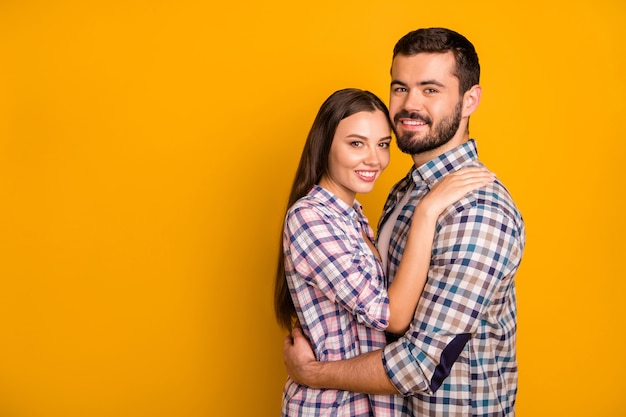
<point x="338" y="288"/>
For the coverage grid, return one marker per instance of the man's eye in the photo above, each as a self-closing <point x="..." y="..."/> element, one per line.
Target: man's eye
<point x="430" y="91"/>
<point x="400" y="89"/>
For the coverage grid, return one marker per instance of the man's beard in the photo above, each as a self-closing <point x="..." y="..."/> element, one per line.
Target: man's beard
<point x="439" y="135"/>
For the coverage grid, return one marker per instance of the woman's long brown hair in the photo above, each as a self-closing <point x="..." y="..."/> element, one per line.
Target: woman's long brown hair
<point x="313" y="164"/>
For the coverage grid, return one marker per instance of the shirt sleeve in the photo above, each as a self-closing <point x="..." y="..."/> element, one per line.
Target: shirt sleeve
<point x="330" y="259"/>
<point x="473" y="256"/>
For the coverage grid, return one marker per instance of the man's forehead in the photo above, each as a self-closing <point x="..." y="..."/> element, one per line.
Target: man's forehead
<point x="425" y="59"/>
<point x="424" y="65"/>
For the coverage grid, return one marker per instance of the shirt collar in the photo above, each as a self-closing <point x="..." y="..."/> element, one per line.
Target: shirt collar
<point x="451" y="161"/>
<point x="325" y="197"/>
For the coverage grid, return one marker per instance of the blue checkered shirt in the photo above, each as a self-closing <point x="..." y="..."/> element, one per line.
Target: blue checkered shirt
<point x="458" y="357"/>
<point x="338" y="289"/>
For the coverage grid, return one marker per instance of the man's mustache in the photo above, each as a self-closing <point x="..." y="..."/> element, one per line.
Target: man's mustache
<point x="403" y="114"/>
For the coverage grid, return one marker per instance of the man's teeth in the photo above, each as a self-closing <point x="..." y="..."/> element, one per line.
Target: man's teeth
<point x="413" y="122"/>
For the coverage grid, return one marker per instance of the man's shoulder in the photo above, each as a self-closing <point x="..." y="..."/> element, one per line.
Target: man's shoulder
<point x="491" y="206"/>
<point x="498" y="197"/>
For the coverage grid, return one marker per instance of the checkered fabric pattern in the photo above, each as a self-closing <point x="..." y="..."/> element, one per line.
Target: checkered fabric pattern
<point x="339" y="292"/>
<point x="458" y="357"/>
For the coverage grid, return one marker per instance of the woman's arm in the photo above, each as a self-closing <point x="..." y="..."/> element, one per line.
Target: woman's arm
<point x="408" y="283"/>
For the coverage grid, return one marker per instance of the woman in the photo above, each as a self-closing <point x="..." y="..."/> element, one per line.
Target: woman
<point x="330" y="277"/>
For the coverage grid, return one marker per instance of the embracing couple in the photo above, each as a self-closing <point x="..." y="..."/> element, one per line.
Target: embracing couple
<point x="419" y="320"/>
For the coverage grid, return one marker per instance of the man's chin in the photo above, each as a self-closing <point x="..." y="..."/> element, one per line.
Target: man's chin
<point x="416" y="148"/>
<point x="409" y="144"/>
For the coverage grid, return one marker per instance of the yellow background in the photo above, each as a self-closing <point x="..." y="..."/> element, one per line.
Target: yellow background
<point x="146" y="153"/>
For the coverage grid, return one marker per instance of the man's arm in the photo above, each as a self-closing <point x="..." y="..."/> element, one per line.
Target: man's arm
<point x="364" y="373"/>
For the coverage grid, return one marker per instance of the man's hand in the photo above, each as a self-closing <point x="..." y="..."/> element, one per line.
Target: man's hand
<point x="299" y="357"/>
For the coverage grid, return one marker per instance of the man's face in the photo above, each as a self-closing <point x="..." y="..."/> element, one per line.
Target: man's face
<point x="425" y="105"/>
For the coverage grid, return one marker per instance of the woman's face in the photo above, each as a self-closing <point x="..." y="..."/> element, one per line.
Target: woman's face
<point x="358" y="154"/>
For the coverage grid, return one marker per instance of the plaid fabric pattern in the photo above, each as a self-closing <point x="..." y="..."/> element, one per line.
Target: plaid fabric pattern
<point x="458" y="357"/>
<point x="338" y="289"/>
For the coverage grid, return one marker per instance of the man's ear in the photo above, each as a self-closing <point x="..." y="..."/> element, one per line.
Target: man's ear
<point x="471" y="99"/>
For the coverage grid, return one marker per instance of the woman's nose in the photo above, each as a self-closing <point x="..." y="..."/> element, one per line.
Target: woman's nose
<point x="372" y="157"/>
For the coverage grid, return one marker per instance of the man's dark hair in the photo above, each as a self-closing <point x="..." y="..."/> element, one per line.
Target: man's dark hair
<point x="442" y="40"/>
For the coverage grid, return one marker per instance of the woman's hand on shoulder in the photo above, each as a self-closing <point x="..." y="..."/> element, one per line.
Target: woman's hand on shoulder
<point x="454" y="187"/>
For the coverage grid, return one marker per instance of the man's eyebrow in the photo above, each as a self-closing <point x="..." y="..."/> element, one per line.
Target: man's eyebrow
<point x="421" y="83"/>
<point x="432" y="82"/>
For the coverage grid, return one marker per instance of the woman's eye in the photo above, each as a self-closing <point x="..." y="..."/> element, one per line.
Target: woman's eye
<point x="356" y="144"/>
<point x="384" y="145"/>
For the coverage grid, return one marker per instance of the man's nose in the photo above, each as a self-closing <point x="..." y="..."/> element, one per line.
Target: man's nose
<point x="413" y="101"/>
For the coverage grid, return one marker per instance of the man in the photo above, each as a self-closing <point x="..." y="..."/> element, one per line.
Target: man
<point x="458" y="357"/>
